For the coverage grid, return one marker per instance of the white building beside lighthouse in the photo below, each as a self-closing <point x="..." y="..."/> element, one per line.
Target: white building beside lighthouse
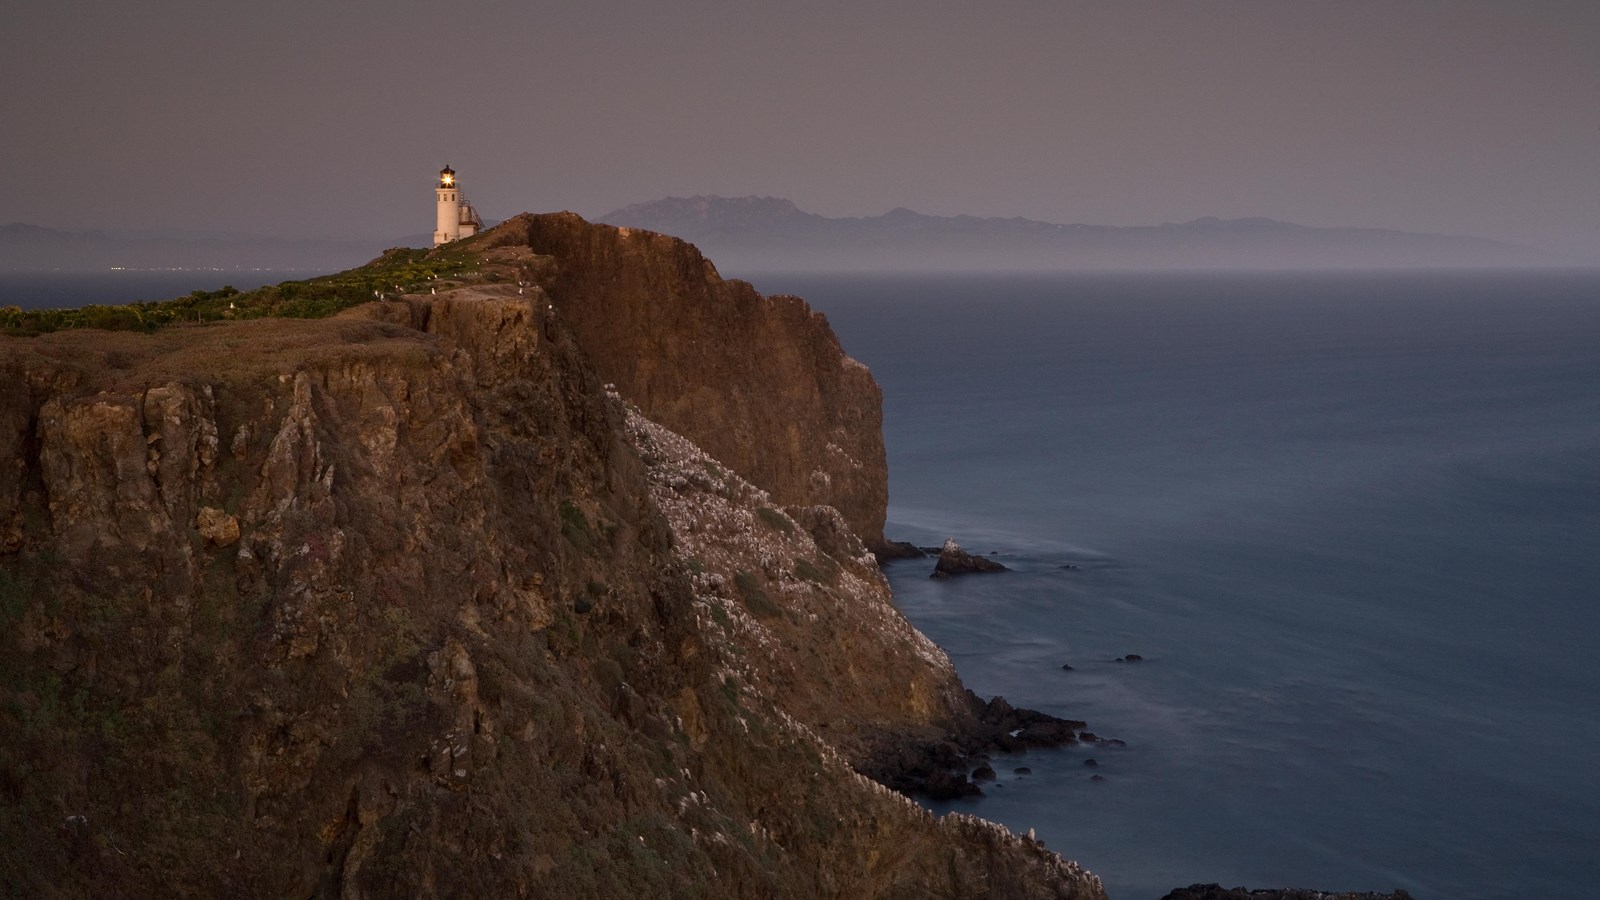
<point x="457" y="218"/>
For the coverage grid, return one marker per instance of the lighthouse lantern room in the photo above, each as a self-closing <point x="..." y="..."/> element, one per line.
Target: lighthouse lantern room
<point x="457" y="219"/>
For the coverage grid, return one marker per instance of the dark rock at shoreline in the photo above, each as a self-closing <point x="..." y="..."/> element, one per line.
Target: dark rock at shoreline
<point x="1047" y="734"/>
<point x="938" y="768"/>
<point x="1066" y="667"/>
<point x="897" y="550"/>
<point x="984" y="772"/>
<point x="1131" y="657"/>
<point x="1218" y="892"/>
<point x="955" y="561"/>
<point x="1022" y="770"/>
<point x="1091" y="762"/>
<point x="949" y="786"/>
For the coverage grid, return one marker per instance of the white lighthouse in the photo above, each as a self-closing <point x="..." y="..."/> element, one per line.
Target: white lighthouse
<point x="457" y="218"/>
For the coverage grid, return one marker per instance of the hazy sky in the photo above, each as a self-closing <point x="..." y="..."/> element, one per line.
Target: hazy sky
<point x="331" y="118"/>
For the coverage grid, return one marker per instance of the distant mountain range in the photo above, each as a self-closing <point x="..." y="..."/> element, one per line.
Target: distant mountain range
<point x="772" y="234"/>
<point x="29" y="248"/>
<point x="755" y="234"/>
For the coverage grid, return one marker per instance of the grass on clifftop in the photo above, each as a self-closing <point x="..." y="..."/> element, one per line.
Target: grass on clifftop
<point x="396" y="271"/>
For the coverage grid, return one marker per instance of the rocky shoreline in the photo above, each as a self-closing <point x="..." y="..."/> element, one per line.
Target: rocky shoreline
<point x="954" y="765"/>
<point x="949" y="766"/>
<point x="432" y="598"/>
<point x="503" y="586"/>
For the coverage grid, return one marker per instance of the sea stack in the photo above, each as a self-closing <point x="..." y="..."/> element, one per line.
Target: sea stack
<point x="955" y="561"/>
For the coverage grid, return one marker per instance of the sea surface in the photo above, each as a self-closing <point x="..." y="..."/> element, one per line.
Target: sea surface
<point x="58" y="290"/>
<point x="1351" y="522"/>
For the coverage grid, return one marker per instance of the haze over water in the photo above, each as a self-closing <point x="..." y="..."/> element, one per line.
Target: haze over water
<point x="65" y="290"/>
<point x="1349" y="520"/>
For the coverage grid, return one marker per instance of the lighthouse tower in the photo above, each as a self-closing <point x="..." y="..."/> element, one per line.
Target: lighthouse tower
<point x="457" y="219"/>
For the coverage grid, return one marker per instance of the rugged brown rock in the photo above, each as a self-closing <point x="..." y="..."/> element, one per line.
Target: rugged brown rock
<point x="955" y="561"/>
<point x="759" y="382"/>
<point x="405" y="603"/>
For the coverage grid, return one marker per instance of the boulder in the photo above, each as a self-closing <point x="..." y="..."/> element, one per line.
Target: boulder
<point x="949" y="786"/>
<point x="217" y="527"/>
<point x="897" y="550"/>
<point x="955" y="561"/>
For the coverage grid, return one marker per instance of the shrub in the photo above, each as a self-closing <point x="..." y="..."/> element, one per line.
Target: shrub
<point x="825" y="572"/>
<point x="755" y="596"/>
<point x="311" y="299"/>
<point x="775" y="519"/>
<point x="575" y="527"/>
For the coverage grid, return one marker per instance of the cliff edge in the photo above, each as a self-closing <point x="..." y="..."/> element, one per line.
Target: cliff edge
<point x="407" y="602"/>
<point x="760" y="383"/>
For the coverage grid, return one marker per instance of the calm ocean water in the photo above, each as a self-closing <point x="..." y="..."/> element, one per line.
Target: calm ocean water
<point x="54" y="290"/>
<point x="1351" y="521"/>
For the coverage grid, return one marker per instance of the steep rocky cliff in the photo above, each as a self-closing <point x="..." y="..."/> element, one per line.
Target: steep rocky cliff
<point x="405" y="602"/>
<point x="758" y="382"/>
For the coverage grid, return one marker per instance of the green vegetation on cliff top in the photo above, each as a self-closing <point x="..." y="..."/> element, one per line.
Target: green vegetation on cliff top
<point x="396" y="271"/>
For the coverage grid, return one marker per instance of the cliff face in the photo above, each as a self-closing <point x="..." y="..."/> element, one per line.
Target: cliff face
<point x="405" y="603"/>
<point x="758" y="382"/>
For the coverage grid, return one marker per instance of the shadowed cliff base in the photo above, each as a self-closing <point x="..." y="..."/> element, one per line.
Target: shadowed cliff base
<point x="405" y="602"/>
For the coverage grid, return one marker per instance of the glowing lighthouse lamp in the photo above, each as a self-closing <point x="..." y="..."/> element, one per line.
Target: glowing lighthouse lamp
<point x="457" y="218"/>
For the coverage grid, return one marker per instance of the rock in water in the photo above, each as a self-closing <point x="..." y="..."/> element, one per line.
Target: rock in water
<point x="955" y="561"/>
<point x="897" y="550"/>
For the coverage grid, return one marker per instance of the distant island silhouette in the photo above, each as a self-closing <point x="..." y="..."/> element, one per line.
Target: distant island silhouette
<point x="756" y="234"/>
<point x="771" y="233"/>
<point x="30" y="248"/>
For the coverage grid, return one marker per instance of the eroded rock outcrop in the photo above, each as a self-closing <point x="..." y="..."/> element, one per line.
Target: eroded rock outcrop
<point x="955" y="561"/>
<point x="759" y="382"/>
<point x="403" y="603"/>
